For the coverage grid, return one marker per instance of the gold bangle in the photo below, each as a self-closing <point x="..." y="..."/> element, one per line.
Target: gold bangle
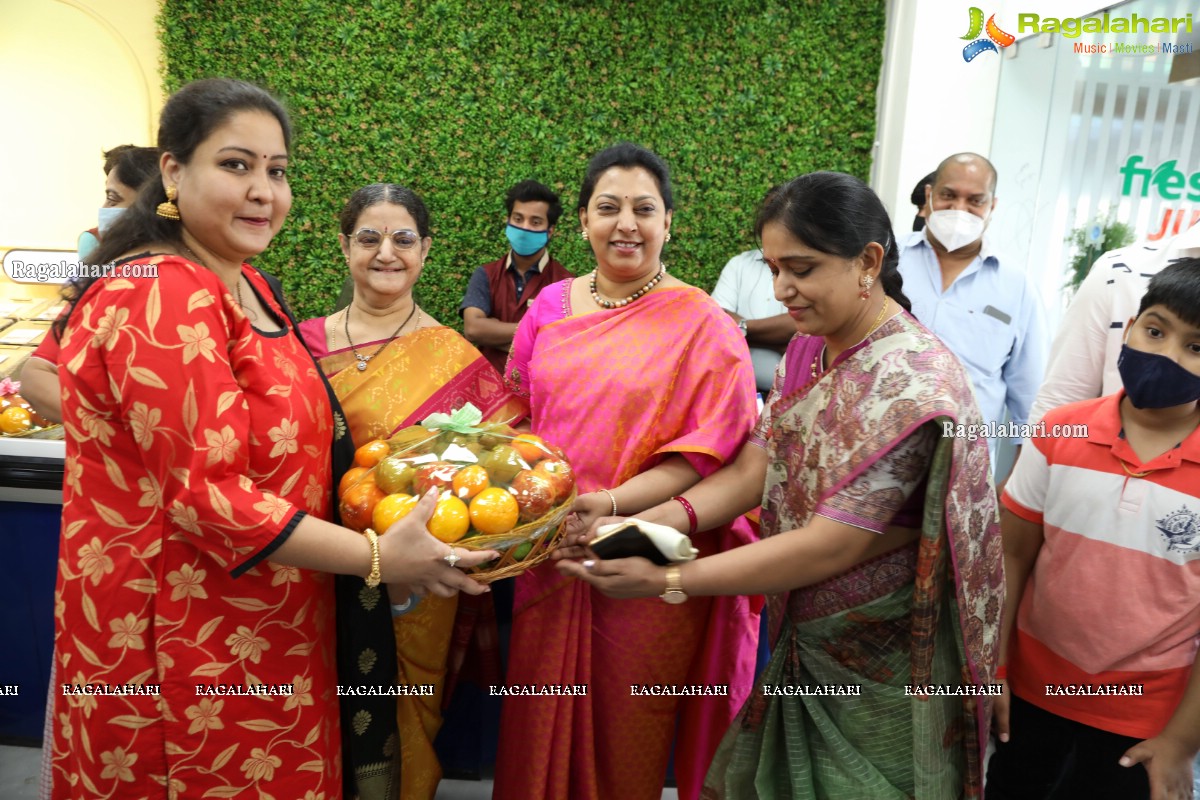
<point x="613" y="499"/>
<point x="373" y="538"/>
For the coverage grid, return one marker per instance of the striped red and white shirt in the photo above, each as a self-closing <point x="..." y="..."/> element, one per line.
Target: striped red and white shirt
<point x="1114" y="596"/>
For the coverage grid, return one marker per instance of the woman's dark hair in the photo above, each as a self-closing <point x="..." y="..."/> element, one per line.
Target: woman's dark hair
<point x="133" y="165"/>
<point x="626" y="155"/>
<point x="918" y="199"/>
<point x="840" y="215"/>
<point x="376" y="193"/>
<point x="189" y="117"/>
<point x="534" y="192"/>
<point x="1178" y="288"/>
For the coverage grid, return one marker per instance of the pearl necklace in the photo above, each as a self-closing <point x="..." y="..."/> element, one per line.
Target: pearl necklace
<point x="600" y="301"/>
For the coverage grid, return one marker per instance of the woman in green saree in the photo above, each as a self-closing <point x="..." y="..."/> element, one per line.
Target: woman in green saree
<point x="881" y="547"/>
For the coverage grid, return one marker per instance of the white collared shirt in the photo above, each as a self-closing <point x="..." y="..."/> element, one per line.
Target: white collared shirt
<point x="991" y="317"/>
<point x="1084" y="360"/>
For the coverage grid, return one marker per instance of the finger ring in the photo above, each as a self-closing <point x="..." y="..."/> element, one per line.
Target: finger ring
<point x="452" y="558"/>
<point x="589" y="564"/>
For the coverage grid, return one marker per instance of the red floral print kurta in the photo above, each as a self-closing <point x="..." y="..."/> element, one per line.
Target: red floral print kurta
<point x="194" y="445"/>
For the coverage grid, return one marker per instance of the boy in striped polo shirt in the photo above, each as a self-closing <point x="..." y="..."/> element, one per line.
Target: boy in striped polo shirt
<point x="1102" y="557"/>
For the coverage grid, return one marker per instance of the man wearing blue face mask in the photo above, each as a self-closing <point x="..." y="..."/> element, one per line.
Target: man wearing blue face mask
<point x="988" y="312"/>
<point x="501" y="291"/>
<point x="1102" y="564"/>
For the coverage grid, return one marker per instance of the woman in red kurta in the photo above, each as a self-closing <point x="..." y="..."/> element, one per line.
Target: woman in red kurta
<point x="179" y="477"/>
<point x="194" y="637"/>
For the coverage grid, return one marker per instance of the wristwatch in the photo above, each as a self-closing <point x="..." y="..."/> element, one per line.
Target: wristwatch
<point x="674" y="593"/>
<point x="742" y="327"/>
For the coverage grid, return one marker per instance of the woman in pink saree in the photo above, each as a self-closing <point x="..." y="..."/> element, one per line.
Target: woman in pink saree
<point x="647" y="386"/>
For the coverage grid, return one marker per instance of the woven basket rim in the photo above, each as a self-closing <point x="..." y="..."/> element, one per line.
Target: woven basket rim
<point x="497" y="570"/>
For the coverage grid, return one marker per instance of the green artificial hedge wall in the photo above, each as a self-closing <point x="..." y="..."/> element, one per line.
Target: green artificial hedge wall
<point x="459" y="99"/>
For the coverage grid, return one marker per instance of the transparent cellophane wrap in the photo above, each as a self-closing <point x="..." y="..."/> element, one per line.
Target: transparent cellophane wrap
<point x="39" y="427"/>
<point x="435" y="455"/>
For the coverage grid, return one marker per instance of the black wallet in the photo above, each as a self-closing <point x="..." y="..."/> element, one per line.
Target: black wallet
<point x="628" y="541"/>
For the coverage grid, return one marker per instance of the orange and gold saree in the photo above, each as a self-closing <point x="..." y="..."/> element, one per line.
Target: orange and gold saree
<point x="431" y="370"/>
<point x="619" y="391"/>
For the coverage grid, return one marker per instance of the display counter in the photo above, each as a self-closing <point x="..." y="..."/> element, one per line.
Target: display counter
<point x="31" y="479"/>
<point x="31" y="476"/>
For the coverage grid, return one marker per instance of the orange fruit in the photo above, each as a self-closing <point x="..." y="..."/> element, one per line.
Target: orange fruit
<point x="494" y="510"/>
<point x="451" y="520"/>
<point x="392" y="509"/>
<point x="15" y="419"/>
<point x="371" y="453"/>
<point x="531" y="447"/>
<point x="358" y="504"/>
<point x="352" y="476"/>
<point x="470" y="481"/>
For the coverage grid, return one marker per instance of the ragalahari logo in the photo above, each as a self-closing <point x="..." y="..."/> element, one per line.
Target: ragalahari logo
<point x="995" y="37"/>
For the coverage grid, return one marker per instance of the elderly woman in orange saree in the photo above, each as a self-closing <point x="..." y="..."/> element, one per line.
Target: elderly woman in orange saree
<point x="391" y="365"/>
<point x="644" y="394"/>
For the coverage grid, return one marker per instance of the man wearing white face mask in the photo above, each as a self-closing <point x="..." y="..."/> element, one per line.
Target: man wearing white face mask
<point x="985" y="309"/>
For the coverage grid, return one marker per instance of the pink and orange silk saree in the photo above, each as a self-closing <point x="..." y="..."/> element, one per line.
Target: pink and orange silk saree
<point x="619" y="391"/>
<point x="431" y="370"/>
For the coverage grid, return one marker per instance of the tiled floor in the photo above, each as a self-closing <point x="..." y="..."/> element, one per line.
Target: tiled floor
<point x="19" y="771"/>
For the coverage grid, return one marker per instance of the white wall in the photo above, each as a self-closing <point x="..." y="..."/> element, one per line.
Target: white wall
<point x="76" y="77"/>
<point x="932" y="103"/>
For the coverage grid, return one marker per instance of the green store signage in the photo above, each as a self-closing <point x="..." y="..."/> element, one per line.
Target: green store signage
<point x="1072" y="27"/>
<point x="1166" y="178"/>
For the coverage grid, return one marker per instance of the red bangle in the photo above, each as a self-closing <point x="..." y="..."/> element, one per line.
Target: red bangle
<point x="1002" y="672"/>
<point x="693" y="523"/>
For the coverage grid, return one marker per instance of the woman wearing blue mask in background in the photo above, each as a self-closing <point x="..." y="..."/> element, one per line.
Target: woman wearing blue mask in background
<point x="127" y="167"/>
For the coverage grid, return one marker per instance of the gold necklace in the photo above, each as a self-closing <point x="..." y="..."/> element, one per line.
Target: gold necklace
<point x="250" y="313"/>
<point x="362" y="360"/>
<point x="874" y="325"/>
<point x="600" y="301"/>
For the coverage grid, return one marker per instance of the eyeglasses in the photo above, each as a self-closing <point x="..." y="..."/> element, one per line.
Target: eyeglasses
<point x="371" y="239"/>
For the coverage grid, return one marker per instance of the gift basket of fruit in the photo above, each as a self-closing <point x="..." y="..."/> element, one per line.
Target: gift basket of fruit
<point x="17" y="417"/>
<point x="499" y="489"/>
